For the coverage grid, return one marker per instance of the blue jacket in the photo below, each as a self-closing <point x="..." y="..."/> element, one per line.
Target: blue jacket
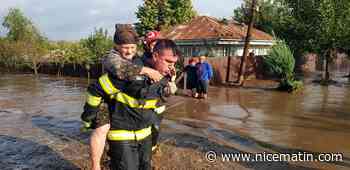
<point x="204" y="71"/>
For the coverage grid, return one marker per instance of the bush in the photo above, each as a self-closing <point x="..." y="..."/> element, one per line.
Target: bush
<point x="280" y="62"/>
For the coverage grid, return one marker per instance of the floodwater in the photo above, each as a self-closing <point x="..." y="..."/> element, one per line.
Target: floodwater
<point x="39" y="125"/>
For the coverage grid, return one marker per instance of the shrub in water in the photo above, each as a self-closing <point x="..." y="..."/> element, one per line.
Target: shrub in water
<point x="280" y="62"/>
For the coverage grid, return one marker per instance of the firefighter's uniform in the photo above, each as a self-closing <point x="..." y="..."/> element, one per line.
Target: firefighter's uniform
<point x="134" y="106"/>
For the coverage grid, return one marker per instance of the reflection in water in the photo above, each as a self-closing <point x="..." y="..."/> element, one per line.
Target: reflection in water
<point x="46" y="111"/>
<point x="314" y="120"/>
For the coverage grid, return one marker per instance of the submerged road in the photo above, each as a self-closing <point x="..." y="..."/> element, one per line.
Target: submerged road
<point x="39" y="126"/>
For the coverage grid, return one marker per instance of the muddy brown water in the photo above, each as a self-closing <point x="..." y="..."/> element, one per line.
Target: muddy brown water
<point x="39" y="124"/>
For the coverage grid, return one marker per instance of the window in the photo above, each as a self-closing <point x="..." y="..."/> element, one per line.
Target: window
<point x="227" y="51"/>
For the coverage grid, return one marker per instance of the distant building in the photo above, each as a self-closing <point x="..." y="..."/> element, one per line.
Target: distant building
<point x="219" y="38"/>
<point x="224" y="41"/>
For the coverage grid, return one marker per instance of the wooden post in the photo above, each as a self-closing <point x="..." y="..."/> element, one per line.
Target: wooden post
<point x="228" y="69"/>
<point x="241" y="72"/>
<point x="185" y="81"/>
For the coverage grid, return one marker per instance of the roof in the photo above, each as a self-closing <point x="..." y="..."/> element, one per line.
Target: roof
<point x="204" y="27"/>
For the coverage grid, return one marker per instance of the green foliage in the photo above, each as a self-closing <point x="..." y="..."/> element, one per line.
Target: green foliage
<point x="335" y="25"/>
<point x="182" y="11"/>
<point x="98" y="43"/>
<point x="317" y="26"/>
<point x="11" y="54"/>
<point x="280" y="60"/>
<point x="159" y="14"/>
<point x="70" y="52"/>
<point x="19" y="27"/>
<point x="290" y="85"/>
<point x="267" y="15"/>
<point x="24" y="45"/>
<point x="281" y="63"/>
<point x="147" y="16"/>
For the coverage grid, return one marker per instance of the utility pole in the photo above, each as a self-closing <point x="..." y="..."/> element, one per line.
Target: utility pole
<point x="241" y="72"/>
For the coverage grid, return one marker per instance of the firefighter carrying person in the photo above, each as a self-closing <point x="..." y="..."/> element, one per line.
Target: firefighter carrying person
<point x="124" y="50"/>
<point x="134" y="107"/>
<point x="111" y="66"/>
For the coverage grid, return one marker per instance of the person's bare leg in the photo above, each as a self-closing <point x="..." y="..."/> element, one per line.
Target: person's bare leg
<point x="205" y="96"/>
<point x="97" y="145"/>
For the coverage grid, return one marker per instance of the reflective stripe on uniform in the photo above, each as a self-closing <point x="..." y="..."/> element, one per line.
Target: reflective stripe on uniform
<point x="150" y="104"/>
<point x="115" y="93"/>
<point x="121" y="135"/>
<point x="134" y="103"/>
<point x="107" y="85"/>
<point x="93" y="100"/>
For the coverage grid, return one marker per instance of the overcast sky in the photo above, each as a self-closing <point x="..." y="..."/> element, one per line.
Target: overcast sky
<point x="75" y="19"/>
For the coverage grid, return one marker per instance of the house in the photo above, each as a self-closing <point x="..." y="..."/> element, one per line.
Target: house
<point x="223" y="40"/>
<point x="219" y="37"/>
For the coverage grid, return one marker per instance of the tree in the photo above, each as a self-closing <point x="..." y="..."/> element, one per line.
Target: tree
<point x="318" y="26"/>
<point x="160" y="14"/>
<point x="34" y="51"/>
<point x="333" y="33"/>
<point x="241" y="71"/>
<point x="20" y="27"/>
<point x="58" y="54"/>
<point x="268" y="17"/>
<point x="10" y="54"/>
<point x="28" y="43"/>
<point x="290" y="20"/>
<point x="182" y="11"/>
<point x="98" y="43"/>
<point x="280" y="62"/>
<point x="147" y="16"/>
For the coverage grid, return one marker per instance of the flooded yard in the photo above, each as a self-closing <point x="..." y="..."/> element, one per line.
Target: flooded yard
<point x="40" y="121"/>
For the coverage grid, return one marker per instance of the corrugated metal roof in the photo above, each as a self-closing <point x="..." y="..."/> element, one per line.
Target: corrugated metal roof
<point x="204" y="27"/>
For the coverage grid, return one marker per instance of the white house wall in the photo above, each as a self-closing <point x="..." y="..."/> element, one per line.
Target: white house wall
<point x="256" y="51"/>
<point x="222" y="51"/>
<point x="223" y="47"/>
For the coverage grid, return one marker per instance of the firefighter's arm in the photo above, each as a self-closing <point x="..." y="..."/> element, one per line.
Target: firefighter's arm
<point x="94" y="98"/>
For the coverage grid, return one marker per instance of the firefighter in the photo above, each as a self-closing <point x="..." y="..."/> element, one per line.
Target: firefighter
<point x="134" y="107"/>
<point x="121" y="56"/>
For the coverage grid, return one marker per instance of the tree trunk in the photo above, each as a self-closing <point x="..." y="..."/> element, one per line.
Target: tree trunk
<point x="327" y="69"/>
<point x="325" y="75"/>
<point x="58" y="71"/>
<point x="35" y="68"/>
<point x="74" y="66"/>
<point x="246" y="45"/>
<point x="88" y="74"/>
<point x="228" y="69"/>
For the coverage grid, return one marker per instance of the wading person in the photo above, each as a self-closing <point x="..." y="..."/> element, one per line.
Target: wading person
<point x="120" y="66"/>
<point x="134" y="107"/>
<point x="192" y="79"/>
<point x="204" y="74"/>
